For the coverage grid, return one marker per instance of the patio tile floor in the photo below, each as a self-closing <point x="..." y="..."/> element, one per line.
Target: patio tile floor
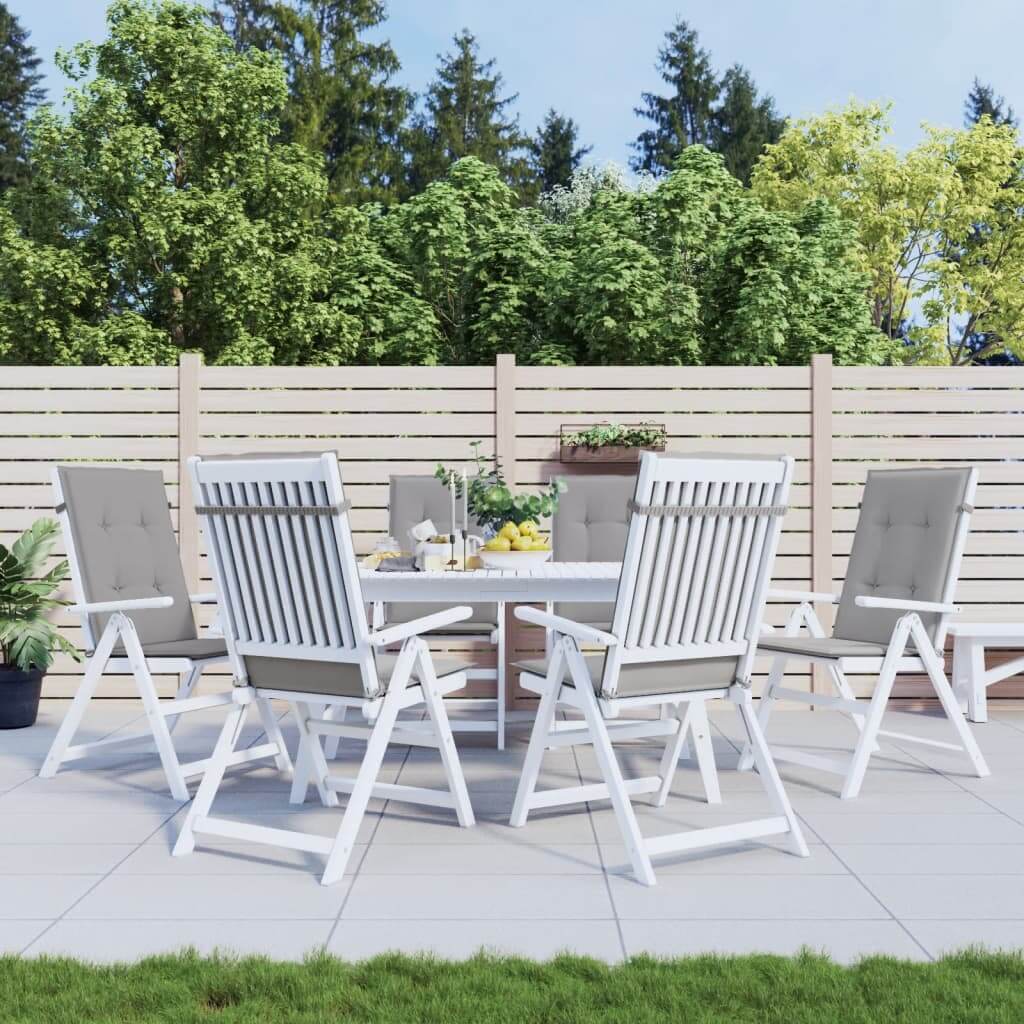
<point x="927" y="860"/>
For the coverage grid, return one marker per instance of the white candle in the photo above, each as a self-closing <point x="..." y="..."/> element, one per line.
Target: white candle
<point x="451" y="491"/>
<point x="465" y="501"/>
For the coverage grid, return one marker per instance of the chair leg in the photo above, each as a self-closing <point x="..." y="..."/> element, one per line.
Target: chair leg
<point x="764" y="712"/>
<point x="769" y="773"/>
<point x="538" y="739"/>
<point x="212" y="777"/>
<point x="500" y="684"/>
<point x="446" y="742"/>
<point x="272" y="730"/>
<point x="376" y="747"/>
<point x="151" y="704"/>
<point x="933" y="663"/>
<point x="610" y="771"/>
<point x="186" y="685"/>
<point x="84" y="694"/>
<point x="700" y="729"/>
<point x="673" y="752"/>
<point x="867" y="742"/>
<point x="333" y="713"/>
<point x="310" y="762"/>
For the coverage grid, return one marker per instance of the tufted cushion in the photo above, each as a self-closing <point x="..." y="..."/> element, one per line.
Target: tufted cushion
<point x="413" y="499"/>
<point x="590" y="525"/>
<point x="902" y="547"/>
<point x="125" y="546"/>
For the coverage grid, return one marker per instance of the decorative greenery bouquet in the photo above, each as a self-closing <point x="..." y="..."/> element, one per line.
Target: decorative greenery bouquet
<point x="27" y="639"/>
<point x="602" y="435"/>
<point x="491" y="502"/>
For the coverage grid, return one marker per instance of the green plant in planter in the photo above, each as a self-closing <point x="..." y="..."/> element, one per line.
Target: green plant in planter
<point x="28" y="639"/>
<point x="491" y="501"/>
<point x="603" y="435"/>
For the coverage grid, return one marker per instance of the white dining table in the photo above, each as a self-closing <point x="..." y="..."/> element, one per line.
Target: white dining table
<point x="551" y="581"/>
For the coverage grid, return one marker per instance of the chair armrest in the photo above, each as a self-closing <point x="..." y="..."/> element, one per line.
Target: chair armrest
<point x="803" y="595"/>
<point x="132" y="605"/>
<point x="586" y="634"/>
<point x="203" y="598"/>
<point x="404" y="630"/>
<point x="906" y="605"/>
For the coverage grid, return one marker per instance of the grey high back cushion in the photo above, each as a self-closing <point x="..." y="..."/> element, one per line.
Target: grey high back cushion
<point x="590" y="525"/>
<point x="125" y="546"/>
<point x="902" y="548"/>
<point x="413" y="499"/>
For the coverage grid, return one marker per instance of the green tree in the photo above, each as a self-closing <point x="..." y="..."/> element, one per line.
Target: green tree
<point x="982" y="101"/>
<point x="744" y="123"/>
<point x="937" y="230"/>
<point x="466" y="115"/>
<point x="686" y="117"/>
<point x="155" y="223"/>
<point x="343" y="102"/>
<point x="554" y="151"/>
<point x="19" y="93"/>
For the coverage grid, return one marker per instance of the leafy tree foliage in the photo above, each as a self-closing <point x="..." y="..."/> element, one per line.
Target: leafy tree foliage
<point x="725" y="114"/>
<point x="19" y="93"/>
<point x="937" y="230"/>
<point x="982" y="101"/>
<point x="555" y="153"/>
<point x="466" y="115"/>
<point x="342" y="102"/>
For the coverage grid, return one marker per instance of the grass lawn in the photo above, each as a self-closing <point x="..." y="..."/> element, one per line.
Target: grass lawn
<point x="968" y="987"/>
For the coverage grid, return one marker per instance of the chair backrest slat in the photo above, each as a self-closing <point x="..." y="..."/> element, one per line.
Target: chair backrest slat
<point x="285" y="567"/>
<point x="702" y="538"/>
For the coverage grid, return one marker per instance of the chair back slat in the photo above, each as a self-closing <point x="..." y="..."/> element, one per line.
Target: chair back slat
<point x="702" y="538"/>
<point x="284" y="563"/>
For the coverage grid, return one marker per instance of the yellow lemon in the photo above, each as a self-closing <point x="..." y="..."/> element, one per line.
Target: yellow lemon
<point x="498" y="544"/>
<point x="509" y="530"/>
<point x="541" y="544"/>
<point x="528" y="528"/>
<point x="522" y="544"/>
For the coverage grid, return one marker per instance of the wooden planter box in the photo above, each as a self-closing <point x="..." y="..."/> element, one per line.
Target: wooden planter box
<point x="607" y="453"/>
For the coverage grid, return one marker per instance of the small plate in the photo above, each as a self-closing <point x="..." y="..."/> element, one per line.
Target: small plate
<point x="513" y="559"/>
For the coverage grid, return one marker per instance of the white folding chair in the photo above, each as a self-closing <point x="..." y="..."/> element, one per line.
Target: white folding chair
<point x="135" y="608"/>
<point x="701" y="541"/>
<point x="280" y="543"/>
<point x="892" y="617"/>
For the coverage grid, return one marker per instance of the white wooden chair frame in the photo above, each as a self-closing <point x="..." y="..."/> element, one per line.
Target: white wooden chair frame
<point x="101" y="659"/>
<point x="279" y="621"/>
<point x="721" y="618"/>
<point x="867" y="715"/>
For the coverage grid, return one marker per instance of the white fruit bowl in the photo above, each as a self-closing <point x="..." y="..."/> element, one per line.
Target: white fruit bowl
<point x="513" y="559"/>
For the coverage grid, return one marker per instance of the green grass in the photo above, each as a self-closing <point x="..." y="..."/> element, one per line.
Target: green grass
<point x="968" y="987"/>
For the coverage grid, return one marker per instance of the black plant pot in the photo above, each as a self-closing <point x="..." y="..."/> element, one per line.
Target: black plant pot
<point x="19" y="697"/>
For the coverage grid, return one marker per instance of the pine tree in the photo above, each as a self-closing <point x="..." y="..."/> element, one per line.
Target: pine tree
<point x="982" y="100"/>
<point x="744" y="123"/>
<point x="19" y="93"/>
<point x="554" y="152"/>
<point x="343" y="102"/>
<point x="686" y="117"/>
<point x="466" y="115"/>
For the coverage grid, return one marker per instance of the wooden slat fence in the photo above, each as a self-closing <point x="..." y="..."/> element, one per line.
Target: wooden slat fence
<point x="836" y="422"/>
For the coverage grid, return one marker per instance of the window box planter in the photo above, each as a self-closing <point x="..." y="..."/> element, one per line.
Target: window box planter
<point x="608" y="453"/>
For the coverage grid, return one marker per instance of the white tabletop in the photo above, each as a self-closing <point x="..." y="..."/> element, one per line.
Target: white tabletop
<point x="988" y="630"/>
<point x="552" y="581"/>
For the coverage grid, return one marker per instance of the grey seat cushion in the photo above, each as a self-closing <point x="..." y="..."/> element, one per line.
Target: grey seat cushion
<point x="902" y="547"/>
<point x="411" y="500"/>
<point x="202" y="647"/>
<point x="465" y="628"/>
<point x="125" y="546"/>
<point x="327" y="677"/>
<point x="827" y="647"/>
<point x="590" y="525"/>
<point x="650" y="680"/>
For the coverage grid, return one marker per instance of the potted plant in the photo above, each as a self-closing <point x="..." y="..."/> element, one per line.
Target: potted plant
<point x="491" y="501"/>
<point x="27" y="638"/>
<point x="610" y="442"/>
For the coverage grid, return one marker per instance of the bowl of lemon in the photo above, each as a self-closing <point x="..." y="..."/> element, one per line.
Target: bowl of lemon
<point x="516" y="546"/>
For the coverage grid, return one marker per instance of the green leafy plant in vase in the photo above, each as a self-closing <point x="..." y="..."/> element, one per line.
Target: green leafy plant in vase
<point x="490" y="499"/>
<point x="28" y="640"/>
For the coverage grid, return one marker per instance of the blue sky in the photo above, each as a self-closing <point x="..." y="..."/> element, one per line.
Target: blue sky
<point x="592" y="58"/>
